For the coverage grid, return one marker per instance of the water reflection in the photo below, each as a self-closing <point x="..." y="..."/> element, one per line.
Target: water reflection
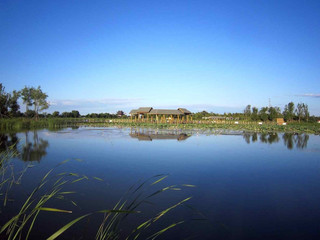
<point x="148" y="135"/>
<point x="297" y="140"/>
<point x="32" y="149"/>
<point x="290" y="140"/>
<point x="8" y="141"/>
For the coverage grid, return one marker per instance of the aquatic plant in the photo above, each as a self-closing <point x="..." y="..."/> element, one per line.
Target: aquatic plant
<point x="52" y="187"/>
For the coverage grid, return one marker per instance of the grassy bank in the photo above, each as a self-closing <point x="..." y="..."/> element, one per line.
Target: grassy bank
<point x="21" y="124"/>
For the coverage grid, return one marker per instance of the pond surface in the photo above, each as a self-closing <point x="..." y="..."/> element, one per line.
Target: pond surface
<point x="248" y="185"/>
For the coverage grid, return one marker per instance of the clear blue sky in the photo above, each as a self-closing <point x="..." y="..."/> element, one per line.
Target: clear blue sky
<point x="103" y="56"/>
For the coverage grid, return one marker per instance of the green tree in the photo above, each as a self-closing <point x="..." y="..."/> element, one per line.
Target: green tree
<point x="274" y="112"/>
<point x="26" y="94"/>
<point x="4" y="102"/>
<point x="288" y="112"/>
<point x="254" y="115"/>
<point x="13" y="103"/>
<point x="39" y="99"/>
<point x="75" y="114"/>
<point x="300" y="111"/>
<point x="55" y="114"/>
<point x="263" y="113"/>
<point x="247" y="111"/>
<point x="306" y="113"/>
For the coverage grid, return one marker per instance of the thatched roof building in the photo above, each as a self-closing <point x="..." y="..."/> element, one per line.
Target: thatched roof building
<point x="151" y="111"/>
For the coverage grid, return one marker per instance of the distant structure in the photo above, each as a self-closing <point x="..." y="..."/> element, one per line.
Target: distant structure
<point x="159" y="114"/>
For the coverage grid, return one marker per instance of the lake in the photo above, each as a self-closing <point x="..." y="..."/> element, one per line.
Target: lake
<point x="243" y="185"/>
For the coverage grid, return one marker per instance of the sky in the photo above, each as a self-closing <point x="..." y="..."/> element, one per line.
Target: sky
<point x="218" y="56"/>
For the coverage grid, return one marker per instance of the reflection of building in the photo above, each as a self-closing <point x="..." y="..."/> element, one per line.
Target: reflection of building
<point x="158" y="136"/>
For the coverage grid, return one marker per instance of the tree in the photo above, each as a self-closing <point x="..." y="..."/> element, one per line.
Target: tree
<point x="26" y="94"/>
<point x="75" y="114"/>
<point x="120" y="113"/>
<point x="254" y="115"/>
<point x="264" y="113"/>
<point x="306" y="112"/>
<point x="39" y="99"/>
<point x="288" y="112"/>
<point x="274" y="112"/>
<point x="300" y="111"/>
<point x="13" y="103"/>
<point x="247" y="111"/>
<point x="55" y="114"/>
<point x="4" y="102"/>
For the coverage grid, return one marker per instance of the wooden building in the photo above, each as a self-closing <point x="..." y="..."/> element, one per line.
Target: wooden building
<point x="160" y="115"/>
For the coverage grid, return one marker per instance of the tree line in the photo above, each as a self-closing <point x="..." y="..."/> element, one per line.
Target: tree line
<point x="291" y="112"/>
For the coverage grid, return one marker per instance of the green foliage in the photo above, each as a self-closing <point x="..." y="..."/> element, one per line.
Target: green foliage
<point x="39" y="99"/>
<point x="274" y="112"/>
<point x="302" y="112"/>
<point x="247" y="111"/>
<point x="4" y="102"/>
<point x="55" y="114"/>
<point x="200" y="115"/>
<point x="254" y="115"/>
<point x="26" y="96"/>
<point x="288" y="112"/>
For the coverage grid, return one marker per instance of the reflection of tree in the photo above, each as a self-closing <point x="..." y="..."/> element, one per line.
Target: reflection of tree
<point x="288" y="140"/>
<point x="273" y="137"/>
<point x="301" y="140"/>
<point x="247" y="137"/>
<point x="35" y="150"/>
<point x="298" y="140"/>
<point x="254" y="137"/>
<point x="263" y="137"/>
<point x="8" y="141"/>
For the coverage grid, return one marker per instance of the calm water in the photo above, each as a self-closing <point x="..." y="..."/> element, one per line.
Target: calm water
<point x="248" y="186"/>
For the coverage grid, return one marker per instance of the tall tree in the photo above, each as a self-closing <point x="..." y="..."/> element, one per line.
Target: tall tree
<point x="306" y="113"/>
<point x="4" y="102"/>
<point x="26" y="93"/>
<point x="75" y="114"/>
<point x="264" y="111"/>
<point x="288" y="112"/>
<point x="300" y="111"/>
<point x="274" y="112"/>
<point x="13" y="103"/>
<point x="254" y="115"/>
<point x="39" y="99"/>
<point x="247" y="111"/>
<point x="55" y="114"/>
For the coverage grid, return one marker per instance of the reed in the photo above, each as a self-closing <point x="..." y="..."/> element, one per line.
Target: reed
<point x="51" y="187"/>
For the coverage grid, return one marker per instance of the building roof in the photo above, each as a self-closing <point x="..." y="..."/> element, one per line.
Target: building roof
<point x="133" y="111"/>
<point x="184" y="110"/>
<point x="144" y="109"/>
<point x="151" y="111"/>
<point x="165" y="111"/>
